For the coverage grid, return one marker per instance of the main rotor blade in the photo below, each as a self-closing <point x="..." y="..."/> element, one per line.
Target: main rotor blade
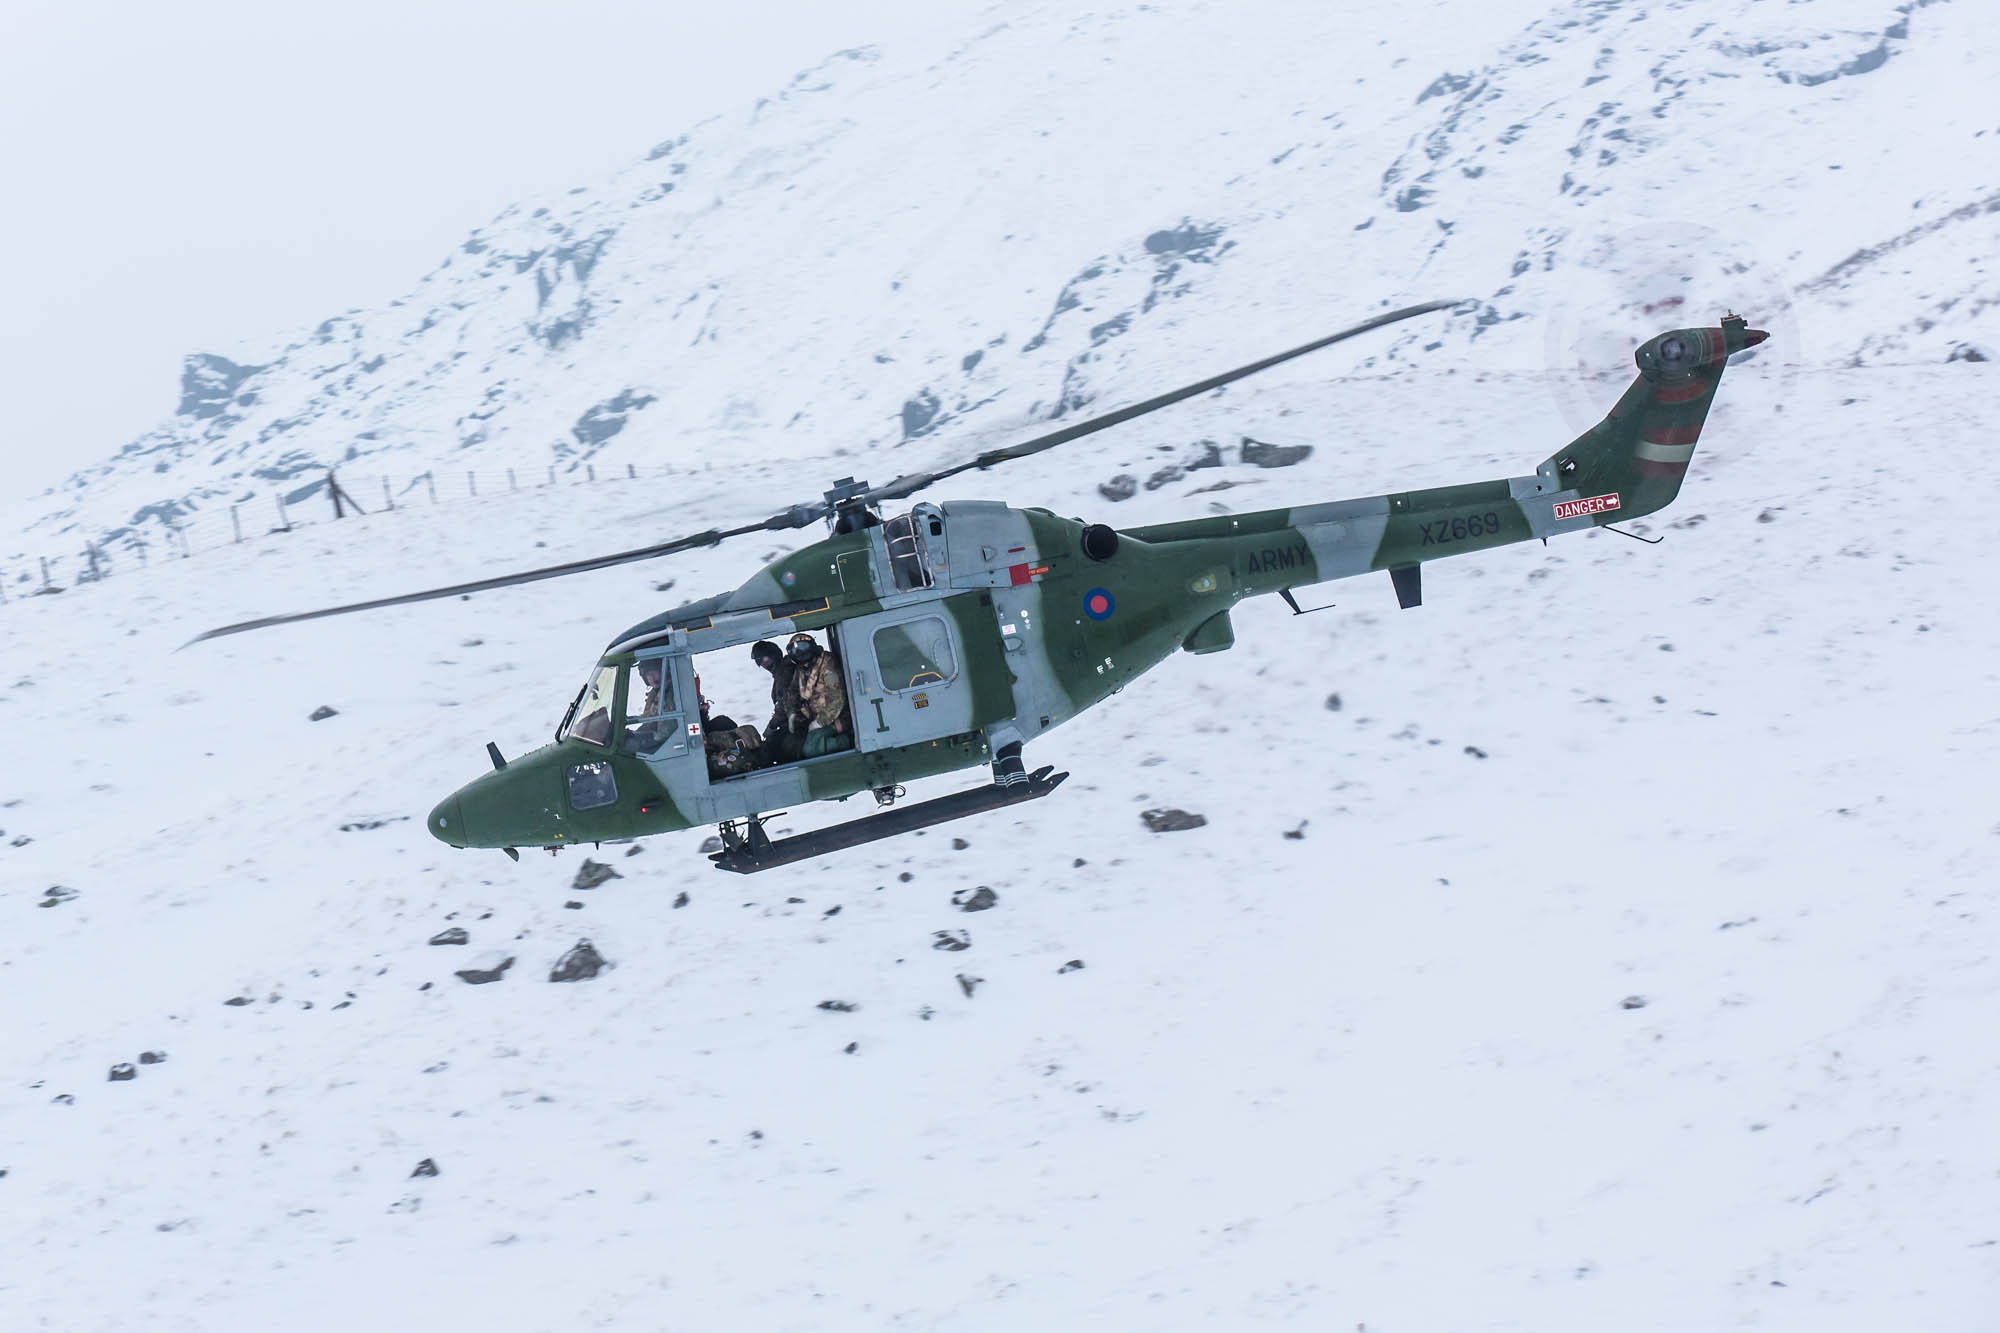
<point x="909" y="485"/>
<point x="796" y="517"/>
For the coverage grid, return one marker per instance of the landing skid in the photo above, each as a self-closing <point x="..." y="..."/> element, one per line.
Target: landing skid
<point x="749" y="850"/>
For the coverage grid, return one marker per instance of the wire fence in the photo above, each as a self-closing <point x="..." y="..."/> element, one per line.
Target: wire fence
<point x="180" y="530"/>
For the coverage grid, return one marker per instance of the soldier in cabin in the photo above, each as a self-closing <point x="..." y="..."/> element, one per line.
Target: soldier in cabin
<point x="822" y="697"/>
<point x="781" y="741"/>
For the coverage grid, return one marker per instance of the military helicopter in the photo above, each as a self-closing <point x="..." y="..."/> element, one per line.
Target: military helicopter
<point x="964" y="630"/>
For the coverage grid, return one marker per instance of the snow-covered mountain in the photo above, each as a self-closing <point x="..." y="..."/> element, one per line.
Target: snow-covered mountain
<point x="1607" y="943"/>
<point x="1067" y="209"/>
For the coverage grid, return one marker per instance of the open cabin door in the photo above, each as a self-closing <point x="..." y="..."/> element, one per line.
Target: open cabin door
<point x="913" y="673"/>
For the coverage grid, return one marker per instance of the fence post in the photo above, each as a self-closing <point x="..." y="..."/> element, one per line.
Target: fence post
<point x="552" y="474"/>
<point x="90" y="554"/>
<point x="430" y="480"/>
<point x="333" y="489"/>
<point x="47" y="584"/>
<point x="510" y="480"/>
<point x="388" y="500"/>
<point x="590" y="469"/>
<point x="472" y="482"/>
<point x="181" y="533"/>
<point x="235" y="523"/>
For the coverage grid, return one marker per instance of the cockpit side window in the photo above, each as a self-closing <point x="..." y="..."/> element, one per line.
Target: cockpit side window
<point x="651" y="718"/>
<point x="906" y="553"/>
<point x="590" y="720"/>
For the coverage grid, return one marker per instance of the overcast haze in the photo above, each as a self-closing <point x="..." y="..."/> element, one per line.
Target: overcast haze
<point x="208" y="176"/>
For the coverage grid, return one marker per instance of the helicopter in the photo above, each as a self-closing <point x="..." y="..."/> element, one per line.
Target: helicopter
<point x="962" y="631"/>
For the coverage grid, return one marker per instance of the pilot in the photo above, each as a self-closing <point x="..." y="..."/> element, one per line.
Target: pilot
<point x="644" y="737"/>
<point x="781" y="742"/>
<point x="822" y="699"/>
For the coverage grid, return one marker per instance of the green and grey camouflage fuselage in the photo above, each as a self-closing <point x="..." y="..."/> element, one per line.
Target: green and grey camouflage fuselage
<point x="967" y="629"/>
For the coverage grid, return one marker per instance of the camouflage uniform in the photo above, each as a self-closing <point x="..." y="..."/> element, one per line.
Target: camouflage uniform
<point x="824" y="701"/>
<point x="781" y="735"/>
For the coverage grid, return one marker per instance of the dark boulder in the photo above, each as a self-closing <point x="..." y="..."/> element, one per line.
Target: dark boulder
<point x="581" y="963"/>
<point x="593" y="873"/>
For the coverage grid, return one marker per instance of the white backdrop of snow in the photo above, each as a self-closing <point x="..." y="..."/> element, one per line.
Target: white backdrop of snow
<point x="1378" y="1075"/>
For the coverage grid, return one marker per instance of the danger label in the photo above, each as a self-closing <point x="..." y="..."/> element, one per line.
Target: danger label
<point x="1596" y="504"/>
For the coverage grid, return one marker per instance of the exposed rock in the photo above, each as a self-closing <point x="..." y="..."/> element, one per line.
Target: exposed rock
<point x="1966" y="352"/>
<point x="1259" y="454"/>
<point x="905" y="877"/>
<point x="322" y="713"/>
<point x="848" y="1049"/>
<point x="1632" y="1002"/>
<point x="710" y="845"/>
<point x="1073" y="965"/>
<point x="208" y="382"/>
<point x="454" y="935"/>
<point x="479" y="976"/>
<point x="1333" y="703"/>
<point x="1171" y="821"/>
<point x="921" y="415"/>
<point x="1121" y="487"/>
<point x="634" y="849"/>
<point x="1768" y="516"/>
<point x="951" y="941"/>
<point x="838" y="1006"/>
<point x="959" y="844"/>
<point x="1475" y="752"/>
<point x="607" y="418"/>
<point x="593" y="873"/>
<point x="581" y="963"/>
<point x="1297" y="834"/>
<point x="54" y="895"/>
<point x="427" y="1167"/>
<point x="1210" y="455"/>
<point x="978" y="900"/>
<point x="237" y="1002"/>
<point x="969" y="983"/>
<point x="573" y="906"/>
<point x="64" y="1099"/>
<point x="124" y="1073"/>
<point x="831" y="911"/>
<point x="1166" y="476"/>
<point x="681" y="899"/>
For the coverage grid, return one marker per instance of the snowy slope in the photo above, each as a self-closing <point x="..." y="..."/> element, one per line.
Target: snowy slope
<point x="1067" y="207"/>
<point x="1377" y="1075"/>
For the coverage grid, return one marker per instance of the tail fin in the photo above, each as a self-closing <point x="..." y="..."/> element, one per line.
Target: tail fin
<point x="1638" y="454"/>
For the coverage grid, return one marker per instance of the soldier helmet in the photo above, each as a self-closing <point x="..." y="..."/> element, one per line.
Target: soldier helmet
<point x="764" y="651"/>
<point x="802" y="648"/>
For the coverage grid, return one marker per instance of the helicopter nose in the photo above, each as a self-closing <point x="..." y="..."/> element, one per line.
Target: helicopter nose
<point x="446" y="824"/>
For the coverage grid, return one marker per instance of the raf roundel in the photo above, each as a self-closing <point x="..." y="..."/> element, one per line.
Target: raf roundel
<point x="1098" y="604"/>
<point x="790" y="578"/>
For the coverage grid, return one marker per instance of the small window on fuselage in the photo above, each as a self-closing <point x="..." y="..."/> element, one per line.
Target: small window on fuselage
<point x="592" y="785"/>
<point x="914" y="654"/>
